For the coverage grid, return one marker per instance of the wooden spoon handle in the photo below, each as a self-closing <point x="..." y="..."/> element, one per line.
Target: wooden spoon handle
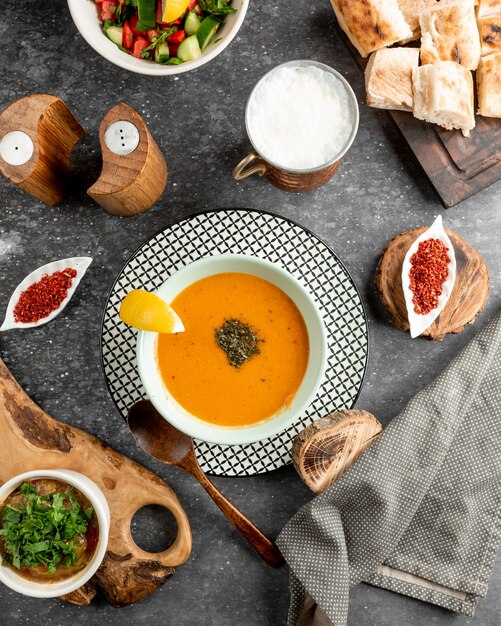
<point x="266" y="549"/>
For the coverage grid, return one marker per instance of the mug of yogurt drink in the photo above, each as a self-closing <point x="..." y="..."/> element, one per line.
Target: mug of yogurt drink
<point x="301" y="118"/>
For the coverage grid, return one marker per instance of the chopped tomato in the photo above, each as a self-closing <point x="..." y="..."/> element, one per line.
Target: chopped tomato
<point x="176" y="38"/>
<point x="127" y="36"/>
<point x="108" y="9"/>
<point x="159" y="13"/>
<point x="194" y="5"/>
<point x="176" y="22"/>
<point x="139" y="44"/>
<point x="133" y="20"/>
<point x="153" y="34"/>
<point x="173" y="49"/>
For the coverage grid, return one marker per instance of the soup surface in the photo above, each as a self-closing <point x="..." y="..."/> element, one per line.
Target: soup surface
<point x="49" y="530"/>
<point x="197" y="371"/>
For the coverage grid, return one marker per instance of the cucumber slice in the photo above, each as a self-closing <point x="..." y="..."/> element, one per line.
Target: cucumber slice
<point x="174" y="61"/>
<point x="146" y="14"/>
<point x="189" y="49"/>
<point x="115" y="34"/>
<point x="192" y="23"/>
<point x="207" y="30"/>
<point x="162" y="52"/>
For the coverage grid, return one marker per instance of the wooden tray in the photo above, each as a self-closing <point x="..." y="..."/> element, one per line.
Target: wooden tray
<point x="456" y="166"/>
<point x="30" y="440"/>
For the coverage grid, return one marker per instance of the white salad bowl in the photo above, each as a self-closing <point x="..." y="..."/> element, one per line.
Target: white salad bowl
<point x="179" y="417"/>
<point x="96" y="497"/>
<point x="84" y="14"/>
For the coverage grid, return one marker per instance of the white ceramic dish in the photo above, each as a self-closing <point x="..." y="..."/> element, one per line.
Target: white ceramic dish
<point x="84" y="14"/>
<point x="97" y="500"/>
<point x="79" y="263"/>
<point x="419" y="323"/>
<point x="173" y="412"/>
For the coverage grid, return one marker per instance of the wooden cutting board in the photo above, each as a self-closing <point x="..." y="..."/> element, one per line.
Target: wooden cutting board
<point x="30" y="439"/>
<point x="456" y="166"/>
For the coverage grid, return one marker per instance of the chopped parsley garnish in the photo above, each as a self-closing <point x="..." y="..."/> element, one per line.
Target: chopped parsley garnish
<point x="238" y="341"/>
<point x="43" y="529"/>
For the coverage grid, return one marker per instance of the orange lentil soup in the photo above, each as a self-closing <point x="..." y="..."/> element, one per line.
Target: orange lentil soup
<point x="196" y="370"/>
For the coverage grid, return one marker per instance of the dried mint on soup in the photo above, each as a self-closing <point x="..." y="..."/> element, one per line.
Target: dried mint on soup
<point x="238" y="341"/>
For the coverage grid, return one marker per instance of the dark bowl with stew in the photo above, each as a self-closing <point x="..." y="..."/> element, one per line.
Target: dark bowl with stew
<point x="54" y="527"/>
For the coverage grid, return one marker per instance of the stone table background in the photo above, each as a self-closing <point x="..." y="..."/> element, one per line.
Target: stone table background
<point x="197" y="120"/>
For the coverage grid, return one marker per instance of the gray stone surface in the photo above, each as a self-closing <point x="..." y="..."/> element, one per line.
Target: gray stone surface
<point x="197" y="119"/>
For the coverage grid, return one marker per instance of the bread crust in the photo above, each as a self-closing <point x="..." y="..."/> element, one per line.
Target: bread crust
<point x="489" y="85"/>
<point x="388" y="78"/>
<point x="449" y="32"/>
<point x="371" y="24"/>
<point x="490" y="34"/>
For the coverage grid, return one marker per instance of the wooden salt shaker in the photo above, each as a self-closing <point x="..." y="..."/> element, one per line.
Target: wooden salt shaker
<point x="134" y="173"/>
<point x="37" y="136"/>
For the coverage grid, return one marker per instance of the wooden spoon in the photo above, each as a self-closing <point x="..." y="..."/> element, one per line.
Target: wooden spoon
<point x="165" y="443"/>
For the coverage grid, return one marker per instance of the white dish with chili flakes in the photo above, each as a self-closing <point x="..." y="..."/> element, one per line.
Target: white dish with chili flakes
<point x="419" y="321"/>
<point x="12" y="319"/>
<point x="31" y="582"/>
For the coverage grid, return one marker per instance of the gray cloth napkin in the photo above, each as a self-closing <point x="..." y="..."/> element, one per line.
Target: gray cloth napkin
<point x="420" y="512"/>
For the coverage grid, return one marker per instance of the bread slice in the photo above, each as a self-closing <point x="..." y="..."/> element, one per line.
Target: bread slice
<point x="488" y="8"/>
<point x="371" y="24"/>
<point x="490" y="33"/>
<point x="489" y="85"/>
<point x="388" y="78"/>
<point x="449" y="33"/>
<point x="411" y="10"/>
<point x="443" y="94"/>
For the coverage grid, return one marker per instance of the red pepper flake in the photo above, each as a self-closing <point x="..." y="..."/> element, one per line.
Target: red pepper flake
<point x="428" y="272"/>
<point x="41" y="298"/>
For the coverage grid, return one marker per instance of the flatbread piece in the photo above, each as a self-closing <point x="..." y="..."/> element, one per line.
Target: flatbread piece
<point x="449" y="32"/>
<point x="489" y="85"/>
<point x="388" y="78"/>
<point x="371" y="24"/>
<point x="443" y="95"/>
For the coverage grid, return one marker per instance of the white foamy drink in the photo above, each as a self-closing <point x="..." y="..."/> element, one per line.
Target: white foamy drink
<point x="300" y="117"/>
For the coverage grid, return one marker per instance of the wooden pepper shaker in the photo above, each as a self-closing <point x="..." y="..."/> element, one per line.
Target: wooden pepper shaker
<point x="134" y="173"/>
<point x="37" y="136"/>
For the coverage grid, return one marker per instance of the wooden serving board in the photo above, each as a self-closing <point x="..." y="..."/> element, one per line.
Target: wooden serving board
<point x="30" y="440"/>
<point x="456" y="166"/>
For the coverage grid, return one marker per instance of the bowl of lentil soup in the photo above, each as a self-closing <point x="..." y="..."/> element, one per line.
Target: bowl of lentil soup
<point x="251" y="358"/>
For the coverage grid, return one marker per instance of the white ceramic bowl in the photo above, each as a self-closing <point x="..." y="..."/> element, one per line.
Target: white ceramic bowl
<point x="84" y="14"/>
<point x="173" y="412"/>
<point x="98" y="502"/>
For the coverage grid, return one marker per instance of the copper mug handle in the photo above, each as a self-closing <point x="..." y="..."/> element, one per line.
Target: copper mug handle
<point x="239" y="173"/>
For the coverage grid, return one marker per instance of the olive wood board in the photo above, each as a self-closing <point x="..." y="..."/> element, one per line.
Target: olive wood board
<point x="456" y="166"/>
<point x="31" y="440"/>
<point x="468" y="297"/>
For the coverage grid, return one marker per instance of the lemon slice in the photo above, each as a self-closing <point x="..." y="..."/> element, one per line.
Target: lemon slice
<point x="146" y="311"/>
<point x="172" y="9"/>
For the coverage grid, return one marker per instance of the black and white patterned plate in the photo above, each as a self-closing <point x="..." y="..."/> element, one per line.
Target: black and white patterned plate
<point x="278" y="240"/>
